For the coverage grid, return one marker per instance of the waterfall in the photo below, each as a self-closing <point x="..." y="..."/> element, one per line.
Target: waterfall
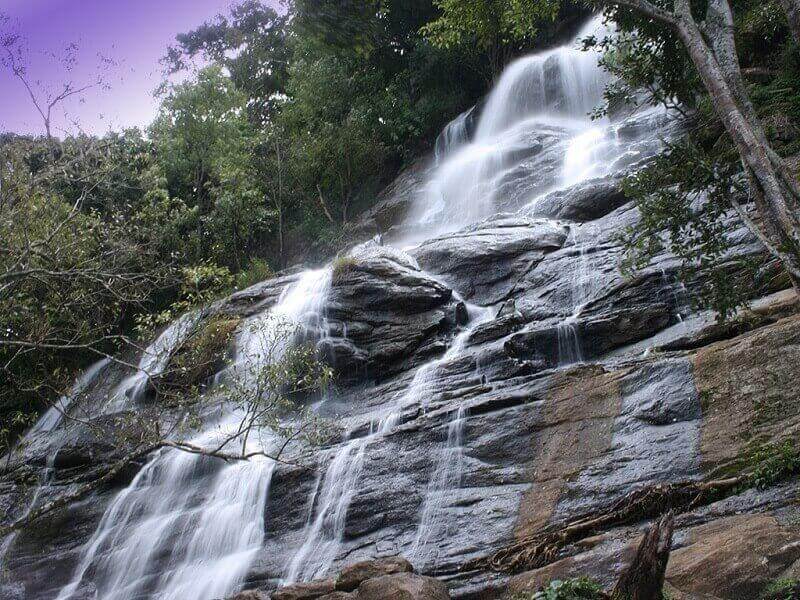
<point x="584" y="287"/>
<point x="551" y="90"/>
<point x="154" y="360"/>
<point x="189" y="525"/>
<point x="454" y="135"/>
<point x="446" y="477"/>
<point x="55" y="414"/>
<point x="332" y="497"/>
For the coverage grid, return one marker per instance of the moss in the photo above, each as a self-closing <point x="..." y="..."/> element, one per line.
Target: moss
<point x="201" y="355"/>
<point x="782" y="589"/>
<point x="342" y="265"/>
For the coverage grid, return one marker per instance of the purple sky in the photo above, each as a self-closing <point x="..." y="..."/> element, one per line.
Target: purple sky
<point x="134" y="33"/>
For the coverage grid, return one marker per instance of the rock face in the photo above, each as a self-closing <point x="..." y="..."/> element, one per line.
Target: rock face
<point x="403" y="586"/>
<point x="353" y="576"/>
<point x="491" y="384"/>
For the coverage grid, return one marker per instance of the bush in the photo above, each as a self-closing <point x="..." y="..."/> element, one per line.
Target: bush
<point x="342" y="266"/>
<point x="782" y="589"/>
<point x="200" y="356"/>
<point x="581" y="588"/>
<point x="774" y="463"/>
<point x="257" y="271"/>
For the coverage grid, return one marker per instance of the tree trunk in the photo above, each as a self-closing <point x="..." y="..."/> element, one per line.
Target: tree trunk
<point x="748" y="138"/>
<point x="644" y="577"/>
<point x="792" y="10"/>
<point x="281" y="259"/>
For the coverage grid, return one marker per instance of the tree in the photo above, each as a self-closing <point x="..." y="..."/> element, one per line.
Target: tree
<point x="60" y="262"/>
<point x="251" y="44"/>
<point x="490" y="24"/>
<point x="46" y="99"/>
<point x="711" y="47"/>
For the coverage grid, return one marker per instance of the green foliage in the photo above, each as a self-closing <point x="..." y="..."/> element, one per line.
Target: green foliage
<point x="774" y="463"/>
<point x="488" y="23"/>
<point x="342" y="265"/>
<point x="251" y="43"/>
<point x="690" y="190"/>
<point x="257" y="271"/>
<point x="268" y="381"/>
<point x="65" y="257"/>
<point x="782" y="589"/>
<point x="199" y="357"/>
<point x="687" y="195"/>
<point x="200" y="285"/>
<point x="581" y="588"/>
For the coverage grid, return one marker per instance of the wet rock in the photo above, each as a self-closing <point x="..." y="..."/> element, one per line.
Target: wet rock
<point x="338" y="596"/>
<point x="387" y="311"/>
<point x="394" y="202"/>
<point x="484" y="263"/>
<point x="353" y="575"/>
<point x="585" y="202"/>
<point x="461" y="314"/>
<point x="403" y="586"/>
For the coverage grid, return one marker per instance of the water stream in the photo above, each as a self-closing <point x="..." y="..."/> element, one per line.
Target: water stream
<point x="188" y="526"/>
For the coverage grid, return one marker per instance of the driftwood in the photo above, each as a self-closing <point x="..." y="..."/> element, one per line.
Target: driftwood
<point x="545" y="547"/>
<point x="644" y="577"/>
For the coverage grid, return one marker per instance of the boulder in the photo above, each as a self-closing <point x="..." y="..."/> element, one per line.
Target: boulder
<point x="304" y="591"/>
<point x="403" y="586"/>
<point x="250" y="595"/>
<point x="338" y="596"/>
<point x="354" y="575"/>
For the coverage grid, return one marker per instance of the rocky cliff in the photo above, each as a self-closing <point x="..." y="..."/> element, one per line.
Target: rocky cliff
<point x="498" y="383"/>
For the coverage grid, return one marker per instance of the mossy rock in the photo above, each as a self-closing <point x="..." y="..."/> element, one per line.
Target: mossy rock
<point x="342" y="265"/>
<point x="201" y="355"/>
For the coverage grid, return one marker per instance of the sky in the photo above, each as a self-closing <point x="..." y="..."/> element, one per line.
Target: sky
<point x="133" y="33"/>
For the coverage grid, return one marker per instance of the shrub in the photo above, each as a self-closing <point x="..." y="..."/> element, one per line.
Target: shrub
<point x="201" y="355"/>
<point x="581" y="588"/>
<point x="774" y="463"/>
<point x="782" y="589"/>
<point x="257" y="271"/>
<point x="342" y="265"/>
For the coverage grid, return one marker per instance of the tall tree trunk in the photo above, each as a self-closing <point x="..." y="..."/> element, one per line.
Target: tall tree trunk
<point x="281" y="259"/>
<point x="792" y="10"/>
<point x="748" y="137"/>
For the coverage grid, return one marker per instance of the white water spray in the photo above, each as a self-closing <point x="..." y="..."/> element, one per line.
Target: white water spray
<point x="553" y="89"/>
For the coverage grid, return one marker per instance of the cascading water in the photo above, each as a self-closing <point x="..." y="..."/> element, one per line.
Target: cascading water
<point x="454" y="135"/>
<point x="55" y="414"/>
<point x="584" y="287"/>
<point x="332" y="495"/>
<point x="187" y="525"/>
<point x="154" y="360"/>
<point x="554" y="89"/>
<point x="446" y="477"/>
